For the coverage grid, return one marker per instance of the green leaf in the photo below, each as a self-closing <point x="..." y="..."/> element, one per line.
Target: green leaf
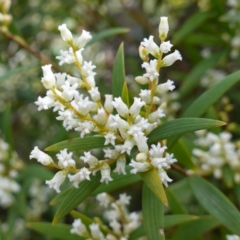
<point x="216" y="203"/>
<point x="152" y="180"/>
<point x="172" y="220"/>
<point x="75" y="196"/>
<point x="17" y="70"/>
<point x="152" y="210"/>
<point x="191" y="24"/>
<point x="191" y="230"/>
<point x="85" y="143"/>
<point x="182" y="154"/>
<point x="193" y="77"/>
<point x="175" y="205"/>
<point x="137" y="233"/>
<point x="119" y="181"/>
<point x="58" y="231"/>
<point x="107" y="33"/>
<point x="125" y="94"/>
<point x="118" y="77"/>
<point x="181" y="126"/>
<point x="228" y="176"/>
<point x="209" y="97"/>
<point x="6" y="125"/>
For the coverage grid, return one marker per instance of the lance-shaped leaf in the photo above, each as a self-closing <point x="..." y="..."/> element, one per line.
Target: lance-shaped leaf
<point x="152" y="210"/>
<point x="209" y="97"/>
<point x="181" y="126"/>
<point x="125" y="94"/>
<point x="85" y="143"/>
<point x="107" y="33"/>
<point x="216" y="203"/>
<point x="75" y="196"/>
<point x="118" y="77"/>
<point x="191" y="230"/>
<point x="152" y="180"/>
<point x="58" y="231"/>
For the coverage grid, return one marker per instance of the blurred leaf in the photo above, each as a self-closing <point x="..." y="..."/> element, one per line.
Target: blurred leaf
<point x="119" y="181"/>
<point x="194" y="76"/>
<point x="181" y="126"/>
<point x="152" y="180"/>
<point x="17" y="70"/>
<point x="199" y="38"/>
<point x="174" y="204"/>
<point x="79" y="143"/>
<point x="58" y="231"/>
<point x="6" y="125"/>
<point x="183" y="155"/>
<point x="237" y="192"/>
<point x="228" y="176"/>
<point x="191" y="230"/>
<point x="152" y="210"/>
<point x="192" y="23"/>
<point x="216" y="203"/>
<point x="172" y="220"/>
<point x="201" y="104"/>
<point x="76" y="195"/>
<point x="125" y="94"/>
<point x="137" y="233"/>
<point x="106" y="34"/>
<point x="118" y="77"/>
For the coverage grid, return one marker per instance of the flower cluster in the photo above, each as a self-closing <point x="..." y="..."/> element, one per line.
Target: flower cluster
<point x="10" y="164"/>
<point x="217" y="151"/>
<point x="124" y="127"/>
<point x="121" y="222"/>
<point x="233" y="237"/>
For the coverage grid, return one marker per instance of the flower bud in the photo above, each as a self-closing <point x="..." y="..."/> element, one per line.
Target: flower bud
<point x="65" y="33"/>
<point x="82" y="40"/>
<point x="143" y="53"/>
<point x="163" y="28"/>
<point x="108" y="103"/>
<point x="171" y="58"/>
<point x="48" y="79"/>
<point x="142" y="80"/>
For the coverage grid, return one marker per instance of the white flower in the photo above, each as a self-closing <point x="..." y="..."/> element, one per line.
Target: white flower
<point x="145" y="95"/>
<point x="78" y="228"/>
<point x="171" y="58"/>
<point x="89" y="159"/>
<point x="233" y="237"/>
<point x="65" y="33"/>
<point x="84" y="106"/>
<point x="95" y="232"/>
<point x="151" y="46"/>
<point x="85" y="127"/>
<point x="95" y="94"/>
<point x="83" y="39"/>
<point x="136" y="107"/>
<point x="116" y="226"/>
<point x="110" y="153"/>
<point x="105" y="172"/>
<point x="41" y="157"/>
<point x="154" y="116"/>
<point x="142" y="80"/>
<point x="65" y="116"/>
<point x="44" y="103"/>
<point x="87" y="68"/>
<point x="157" y="151"/>
<point x="69" y="91"/>
<point x="165" y="47"/>
<point x="163" y="28"/>
<point x="141" y="157"/>
<point x="65" y="159"/>
<point x="108" y="103"/>
<point x="101" y="116"/>
<point x="139" y="166"/>
<point x="164" y="177"/>
<point x="141" y="142"/>
<point x="48" y="79"/>
<point x="126" y="147"/>
<point x="164" y="87"/>
<point x="79" y="177"/>
<point x="121" y="163"/>
<point x="110" y="138"/>
<point x="57" y="180"/>
<point x="120" y="106"/>
<point x="66" y="57"/>
<point x="151" y="70"/>
<point x="143" y="53"/>
<point x="79" y="55"/>
<point x="103" y="199"/>
<point x="124" y="199"/>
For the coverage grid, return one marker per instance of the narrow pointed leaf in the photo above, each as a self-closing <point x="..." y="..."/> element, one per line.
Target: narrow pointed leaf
<point x="85" y="143"/>
<point x="216" y="203"/>
<point x="173" y="220"/>
<point x="152" y="180"/>
<point x="125" y="94"/>
<point x="152" y="210"/>
<point x="201" y="104"/>
<point x="118" y="77"/>
<point x="175" y="205"/>
<point x="191" y="230"/>
<point x="58" y="231"/>
<point x="75" y="196"/>
<point x="106" y="34"/>
<point x="181" y="126"/>
<point x="228" y="176"/>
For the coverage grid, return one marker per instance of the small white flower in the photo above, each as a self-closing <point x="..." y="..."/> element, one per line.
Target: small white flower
<point x="120" y="106"/>
<point x="103" y="199"/>
<point x="78" y="228"/>
<point x="164" y="177"/>
<point x="95" y="231"/>
<point x="57" y="180"/>
<point x="171" y="58"/>
<point x="83" y="39"/>
<point x="157" y="151"/>
<point x="141" y="142"/>
<point x="41" y="157"/>
<point x="105" y="172"/>
<point x="66" y="57"/>
<point x="142" y="80"/>
<point x="69" y="91"/>
<point x="101" y="116"/>
<point x="89" y="159"/>
<point x="79" y="55"/>
<point x="65" y="33"/>
<point x="110" y="153"/>
<point x="139" y="166"/>
<point x="126" y="147"/>
<point x="151" y="69"/>
<point x="108" y="103"/>
<point x="164" y="87"/>
<point x="124" y="199"/>
<point x="121" y="163"/>
<point x="79" y="176"/>
<point x="85" y="127"/>
<point x="163" y="28"/>
<point x="154" y="116"/>
<point x="233" y="237"/>
<point x="136" y="107"/>
<point x="87" y="68"/>
<point x="165" y="47"/>
<point x="65" y="159"/>
<point x="60" y="79"/>
<point x="44" y="103"/>
<point x="110" y="138"/>
<point x="48" y="79"/>
<point x="151" y="46"/>
<point x="84" y="106"/>
<point x="65" y="116"/>
<point x="143" y="53"/>
<point x="145" y="95"/>
<point x="95" y="94"/>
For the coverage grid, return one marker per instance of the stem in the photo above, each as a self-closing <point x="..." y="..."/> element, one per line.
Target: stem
<point x="179" y="169"/>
